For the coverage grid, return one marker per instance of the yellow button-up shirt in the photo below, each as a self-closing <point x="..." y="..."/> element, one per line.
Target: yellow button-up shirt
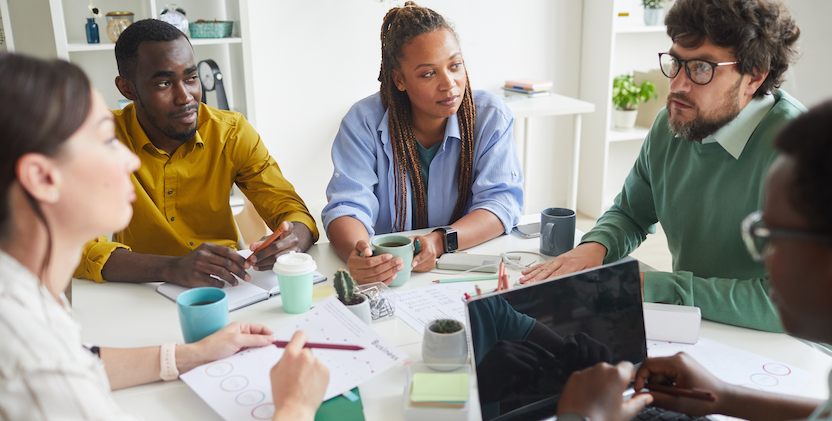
<point x="182" y="199"/>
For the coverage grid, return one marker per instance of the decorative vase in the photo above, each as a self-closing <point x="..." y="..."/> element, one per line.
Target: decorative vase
<point x="625" y="120"/>
<point x="362" y="309"/>
<point x="441" y="349"/>
<point x="117" y="22"/>
<point x="653" y="17"/>
<point x="92" y="31"/>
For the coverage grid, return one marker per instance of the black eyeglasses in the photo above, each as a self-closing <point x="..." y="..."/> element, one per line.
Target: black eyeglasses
<point x="700" y="72"/>
<point x="757" y="236"/>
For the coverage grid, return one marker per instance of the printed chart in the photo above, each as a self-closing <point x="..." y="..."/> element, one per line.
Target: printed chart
<point x="736" y="366"/>
<point x="239" y="388"/>
<point x="418" y="306"/>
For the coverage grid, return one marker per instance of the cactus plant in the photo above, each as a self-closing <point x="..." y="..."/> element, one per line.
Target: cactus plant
<point x="345" y="287"/>
<point x="445" y="326"/>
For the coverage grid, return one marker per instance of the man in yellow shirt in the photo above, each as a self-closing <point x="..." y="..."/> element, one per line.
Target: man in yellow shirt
<point x="183" y="230"/>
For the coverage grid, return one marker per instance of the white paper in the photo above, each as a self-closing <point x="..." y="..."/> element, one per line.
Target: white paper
<point x="239" y="387"/>
<point x="736" y="366"/>
<point x="418" y="306"/>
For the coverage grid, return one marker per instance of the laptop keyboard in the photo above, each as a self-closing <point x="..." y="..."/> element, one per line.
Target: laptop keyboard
<point x="659" y="414"/>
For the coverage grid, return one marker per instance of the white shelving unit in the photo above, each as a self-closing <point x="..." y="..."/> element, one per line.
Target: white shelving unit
<point x="98" y="60"/>
<point x="607" y="155"/>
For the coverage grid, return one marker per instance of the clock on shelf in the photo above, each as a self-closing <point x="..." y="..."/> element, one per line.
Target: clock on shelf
<point x="175" y="16"/>
<point x="211" y="79"/>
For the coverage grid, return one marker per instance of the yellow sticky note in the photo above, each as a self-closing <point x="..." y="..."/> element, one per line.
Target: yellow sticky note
<point x="439" y="387"/>
<point x="322" y="291"/>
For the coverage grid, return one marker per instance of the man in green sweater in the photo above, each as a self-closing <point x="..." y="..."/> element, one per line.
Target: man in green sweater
<point x="702" y="165"/>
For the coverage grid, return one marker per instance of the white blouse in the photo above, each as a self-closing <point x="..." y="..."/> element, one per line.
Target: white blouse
<point x="45" y="372"/>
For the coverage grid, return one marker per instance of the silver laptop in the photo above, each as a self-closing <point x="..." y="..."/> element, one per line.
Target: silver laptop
<point x="528" y="340"/>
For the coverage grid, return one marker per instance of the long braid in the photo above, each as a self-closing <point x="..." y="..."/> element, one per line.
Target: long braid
<point x="400" y="26"/>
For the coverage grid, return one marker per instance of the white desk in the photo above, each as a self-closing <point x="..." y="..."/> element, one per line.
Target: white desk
<point x="133" y="315"/>
<point x="552" y="105"/>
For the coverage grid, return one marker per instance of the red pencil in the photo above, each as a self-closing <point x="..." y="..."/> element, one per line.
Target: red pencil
<point x="270" y="239"/>
<point x="282" y="344"/>
<point x="700" y="394"/>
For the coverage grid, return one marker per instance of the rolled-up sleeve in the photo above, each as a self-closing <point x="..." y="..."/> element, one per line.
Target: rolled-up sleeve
<point x="351" y="190"/>
<point x="498" y="178"/>
<point x="94" y="257"/>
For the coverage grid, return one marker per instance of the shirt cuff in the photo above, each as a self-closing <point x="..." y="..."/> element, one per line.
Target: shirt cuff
<point x="304" y="219"/>
<point x="93" y="261"/>
<point x="660" y="287"/>
<point x="343" y="210"/>
<point x="601" y="238"/>
<point x="505" y="216"/>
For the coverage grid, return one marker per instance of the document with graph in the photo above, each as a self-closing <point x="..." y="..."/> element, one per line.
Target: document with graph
<point x="238" y="387"/>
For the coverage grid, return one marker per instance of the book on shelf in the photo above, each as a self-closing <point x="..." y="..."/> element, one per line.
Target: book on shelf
<point x="529" y="84"/>
<point x="523" y="93"/>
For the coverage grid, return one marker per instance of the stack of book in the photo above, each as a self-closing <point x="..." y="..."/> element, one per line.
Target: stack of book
<point x="444" y="390"/>
<point x="531" y="88"/>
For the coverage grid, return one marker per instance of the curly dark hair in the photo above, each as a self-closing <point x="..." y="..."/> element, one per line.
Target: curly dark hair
<point x="808" y="140"/>
<point x="762" y="34"/>
<point x="127" y="46"/>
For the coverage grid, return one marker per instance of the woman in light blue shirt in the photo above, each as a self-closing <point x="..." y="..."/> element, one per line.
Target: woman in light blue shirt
<point x="425" y="151"/>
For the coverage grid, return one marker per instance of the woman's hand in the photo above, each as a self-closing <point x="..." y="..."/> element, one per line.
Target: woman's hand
<point x="366" y="270"/>
<point x="223" y="343"/>
<point x="682" y="370"/>
<point x="430" y="248"/>
<point x="299" y="382"/>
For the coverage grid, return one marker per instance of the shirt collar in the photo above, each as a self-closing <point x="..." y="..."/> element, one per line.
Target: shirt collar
<point x="734" y="136"/>
<point x="141" y="140"/>
<point x="451" y="128"/>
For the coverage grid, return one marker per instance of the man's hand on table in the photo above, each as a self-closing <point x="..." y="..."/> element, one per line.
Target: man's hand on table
<point x="366" y="268"/>
<point x="195" y="268"/>
<point x="585" y="256"/>
<point x="684" y="372"/>
<point x="295" y="237"/>
<point x="596" y="392"/>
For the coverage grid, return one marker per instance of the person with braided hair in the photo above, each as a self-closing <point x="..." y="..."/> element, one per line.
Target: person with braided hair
<point x="425" y="151"/>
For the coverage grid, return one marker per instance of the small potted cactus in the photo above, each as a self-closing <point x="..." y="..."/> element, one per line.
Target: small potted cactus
<point x="357" y="303"/>
<point x="444" y="344"/>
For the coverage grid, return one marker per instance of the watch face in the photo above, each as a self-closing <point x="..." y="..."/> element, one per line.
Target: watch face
<point x="176" y="19"/>
<point x="453" y="244"/>
<point x="206" y="76"/>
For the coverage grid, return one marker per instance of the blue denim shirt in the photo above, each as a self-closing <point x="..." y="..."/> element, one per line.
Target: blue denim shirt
<point x="363" y="182"/>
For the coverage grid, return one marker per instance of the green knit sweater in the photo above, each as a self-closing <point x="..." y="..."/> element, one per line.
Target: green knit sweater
<point x="700" y="194"/>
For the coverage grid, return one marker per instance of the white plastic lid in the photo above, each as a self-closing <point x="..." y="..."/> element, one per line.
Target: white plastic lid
<point x="294" y="264"/>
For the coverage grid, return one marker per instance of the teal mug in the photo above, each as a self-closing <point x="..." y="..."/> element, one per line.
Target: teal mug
<point x="398" y="246"/>
<point x="557" y="231"/>
<point x="202" y="311"/>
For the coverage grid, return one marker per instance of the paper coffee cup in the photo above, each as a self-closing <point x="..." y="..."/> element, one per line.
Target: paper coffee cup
<point x="294" y="276"/>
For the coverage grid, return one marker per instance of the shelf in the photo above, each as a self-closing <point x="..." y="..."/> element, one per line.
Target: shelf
<point x="641" y="29"/>
<point x="638" y="133"/>
<point x="109" y="46"/>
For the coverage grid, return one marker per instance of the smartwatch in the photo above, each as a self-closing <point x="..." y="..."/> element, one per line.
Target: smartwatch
<point x="449" y="240"/>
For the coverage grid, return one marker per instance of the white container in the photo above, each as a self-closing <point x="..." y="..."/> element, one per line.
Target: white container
<point x="625" y="120"/>
<point x="671" y="323"/>
<point x="444" y="348"/>
<point x="362" y="310"/>
<point x="422" y="413"/>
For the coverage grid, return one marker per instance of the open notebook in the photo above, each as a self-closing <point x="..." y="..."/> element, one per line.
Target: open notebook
<point x="263" y="285"/>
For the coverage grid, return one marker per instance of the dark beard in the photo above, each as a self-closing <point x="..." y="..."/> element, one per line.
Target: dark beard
<point x="169" y="131"/>
<point x="701" y="127"/>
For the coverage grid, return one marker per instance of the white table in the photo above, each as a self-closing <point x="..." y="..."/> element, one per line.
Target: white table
<point x="552" y="105"/>
<point x="134" y="315"/>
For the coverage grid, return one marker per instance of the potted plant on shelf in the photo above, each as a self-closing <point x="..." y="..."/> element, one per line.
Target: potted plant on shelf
<point x="653" y="12"/>
<point x="626" y="96"/>
<point x="357" y="303"/>
<point x="444" y="344"/>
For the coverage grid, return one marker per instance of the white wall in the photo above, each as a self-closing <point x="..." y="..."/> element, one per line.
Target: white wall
<point x="809" y="80"/>
<point x="313" y="60"/>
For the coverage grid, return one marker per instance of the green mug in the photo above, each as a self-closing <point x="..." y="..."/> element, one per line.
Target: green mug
<point x="398" y="246"/>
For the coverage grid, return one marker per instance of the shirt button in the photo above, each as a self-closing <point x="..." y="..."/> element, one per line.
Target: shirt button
<point x="192" y="243"/>
<point x="337" y="175"/>
<point x="170" y="191"/>
<point x="171" y="218"/>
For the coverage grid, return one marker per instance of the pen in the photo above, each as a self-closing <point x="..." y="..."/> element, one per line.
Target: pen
<point x="479" y="291"/>
<point x="700" y="394"/>
<point x="270" y="239"/>
<point x="471" y="278"/>
<point x="416" y="247"/>
<point x="282" y="344"/>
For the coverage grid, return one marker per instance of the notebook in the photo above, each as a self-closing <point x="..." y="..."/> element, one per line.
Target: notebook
<point x="263" y="285"/>
<point x="602" y="306"/>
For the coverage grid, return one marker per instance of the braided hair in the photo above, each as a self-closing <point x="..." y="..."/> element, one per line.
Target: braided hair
<point x="401" y="25"/>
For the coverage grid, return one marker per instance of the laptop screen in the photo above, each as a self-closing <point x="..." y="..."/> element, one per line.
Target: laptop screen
<point x="528" y="340"/>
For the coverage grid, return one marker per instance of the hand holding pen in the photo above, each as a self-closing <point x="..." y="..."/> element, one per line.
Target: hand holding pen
<point x="680" y="384"/>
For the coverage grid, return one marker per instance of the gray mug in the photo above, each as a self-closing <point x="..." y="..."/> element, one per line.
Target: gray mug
<point x="557" y="231"/>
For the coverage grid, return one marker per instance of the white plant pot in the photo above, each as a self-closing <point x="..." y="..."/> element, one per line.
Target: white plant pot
<point x="444" y="348"/>
<point x="625" y="120"/>
<point x="362" y="310"/>
<point x="653" y="17"/>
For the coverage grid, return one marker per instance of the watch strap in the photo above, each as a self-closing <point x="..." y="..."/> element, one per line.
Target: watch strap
<point x="167" y="360"/>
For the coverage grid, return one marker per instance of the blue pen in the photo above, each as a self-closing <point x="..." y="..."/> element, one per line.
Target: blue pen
<point x="416" y="247"/>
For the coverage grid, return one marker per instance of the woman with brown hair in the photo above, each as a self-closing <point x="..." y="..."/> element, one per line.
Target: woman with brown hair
<point x="65" y="178"/>
<point x="425" y="151"/>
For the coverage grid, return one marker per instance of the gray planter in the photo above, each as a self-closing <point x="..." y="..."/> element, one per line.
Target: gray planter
<point x="362" y="310"/>
<point x="653" y="17"/>
<point x="441" y="349"/>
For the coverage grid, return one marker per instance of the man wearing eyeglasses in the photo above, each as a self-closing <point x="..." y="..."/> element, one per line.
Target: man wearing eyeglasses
<point x="702" y="165"/>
